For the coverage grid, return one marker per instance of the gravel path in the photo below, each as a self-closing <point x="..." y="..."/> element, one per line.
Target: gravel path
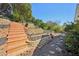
<point x="54" y="48"/>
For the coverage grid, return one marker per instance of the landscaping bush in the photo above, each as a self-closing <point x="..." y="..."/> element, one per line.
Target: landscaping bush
<point x="72" y="38"/>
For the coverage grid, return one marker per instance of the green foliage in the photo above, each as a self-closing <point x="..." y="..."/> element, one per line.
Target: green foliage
<point x="21" y="12"/>
<point x="39" y="23"/>
<point x="72" y="38"/>
<point x="69" y="27"/>
<point x="54" y="26"/>
<point x="47" y="26"/>
<point x="44" y="26"/>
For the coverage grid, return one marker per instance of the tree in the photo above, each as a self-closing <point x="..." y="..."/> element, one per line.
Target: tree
<point x="21" y="12"/>
<point x="54" y="26"/>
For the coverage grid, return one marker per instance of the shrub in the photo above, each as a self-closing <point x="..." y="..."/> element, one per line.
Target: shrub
<point x="72" y="38"/>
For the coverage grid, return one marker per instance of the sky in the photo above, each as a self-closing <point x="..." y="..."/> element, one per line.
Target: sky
<point x="55" y="12"/>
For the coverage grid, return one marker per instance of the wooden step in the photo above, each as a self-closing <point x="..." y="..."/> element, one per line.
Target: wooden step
<point x="16" y="39"/>
<point x="16" y="30"/>
<point x="17" y="51"/>
<point x="15" y="25"/>
<point x="15" y="44"/>
<point x="15" y="36"/>
<point x="17" y="33"/>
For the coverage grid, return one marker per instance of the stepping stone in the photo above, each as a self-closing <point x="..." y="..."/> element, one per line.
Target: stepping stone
<point x="48" y="55"/>
<point x="61" y="40"/>
<point x="52" y="52"/>
<point x="45" y="54"/>
<point x="53" y="45"/>
<point x="58" y="49"/>
<point x="57" y="43"/>
<point x="61" y="37"/>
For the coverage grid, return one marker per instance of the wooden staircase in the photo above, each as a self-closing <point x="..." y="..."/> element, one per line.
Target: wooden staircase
<point x="17" y="38"/>
<point x="14" y="41"/>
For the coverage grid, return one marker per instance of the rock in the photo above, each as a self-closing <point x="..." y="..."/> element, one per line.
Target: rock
<point x="58" y="49"/>
<point x="52" y="52"/>
<point x="53" y="45"/>
<point x="6" y="9"/>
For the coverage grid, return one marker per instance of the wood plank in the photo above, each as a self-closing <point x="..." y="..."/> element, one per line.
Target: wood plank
<point x="16" y="39"/>
<point x="15" y="44"/>
<point x="17" y="51"/>
<point x="17" y="33"/>
<point x="13" y="33"/>
<point x="15" y="36"/>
